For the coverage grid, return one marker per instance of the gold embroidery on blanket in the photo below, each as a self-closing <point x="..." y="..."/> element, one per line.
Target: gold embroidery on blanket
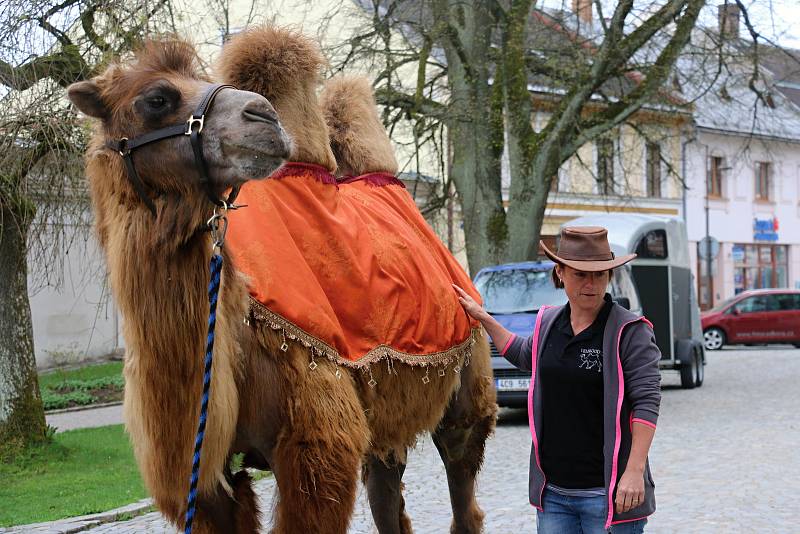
<point x="457" y="354"/>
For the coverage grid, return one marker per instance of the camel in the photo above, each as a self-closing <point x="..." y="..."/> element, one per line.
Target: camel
<point x="314" y="428"/>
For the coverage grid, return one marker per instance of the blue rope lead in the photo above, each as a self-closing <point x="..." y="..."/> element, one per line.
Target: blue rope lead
<point x="213" y="293"/>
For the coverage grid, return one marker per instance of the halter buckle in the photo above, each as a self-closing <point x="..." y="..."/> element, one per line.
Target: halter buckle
<point x="218" y="224"/>
<point x="123" y="147"/>
<point x="192" y="121"/>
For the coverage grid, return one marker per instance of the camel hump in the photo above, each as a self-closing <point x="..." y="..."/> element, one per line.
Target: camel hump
<point x="273" y="61"/>
<point x="357" y="136"/>
<point x="284" y="66"/>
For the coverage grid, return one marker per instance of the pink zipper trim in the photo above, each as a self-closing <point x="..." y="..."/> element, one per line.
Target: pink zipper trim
<point x="534" y="350"/>
<point x="618" y="437"/>
<point x="628" y="520"/>
<point x="505" y="349"/>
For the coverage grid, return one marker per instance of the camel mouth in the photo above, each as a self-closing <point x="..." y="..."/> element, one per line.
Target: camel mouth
<point x="250" y="162"/>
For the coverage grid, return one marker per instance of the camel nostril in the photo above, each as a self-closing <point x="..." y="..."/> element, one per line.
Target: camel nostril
<point x="260" y="115"/>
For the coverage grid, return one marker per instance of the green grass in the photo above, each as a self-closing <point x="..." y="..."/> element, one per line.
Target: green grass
<point x="80" y="472"/>
<point x="51" y="379"/>
<point x="78" y="387"/>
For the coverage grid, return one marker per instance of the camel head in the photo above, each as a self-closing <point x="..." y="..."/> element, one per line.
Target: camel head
<point x="241" y="136"/>
<point x="284" y="66"/>
<point x="358" y="138"/>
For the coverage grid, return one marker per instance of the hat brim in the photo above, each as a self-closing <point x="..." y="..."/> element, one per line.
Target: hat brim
<point x="591" y="266"/>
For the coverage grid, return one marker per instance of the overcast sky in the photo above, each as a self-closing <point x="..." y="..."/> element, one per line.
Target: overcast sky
<point x="777" y="20"/>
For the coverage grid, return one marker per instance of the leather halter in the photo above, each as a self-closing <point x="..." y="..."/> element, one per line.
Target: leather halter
<point x="192" y="128"/>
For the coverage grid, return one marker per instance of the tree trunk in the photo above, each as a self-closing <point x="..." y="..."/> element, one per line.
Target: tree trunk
<point x="530" y="186"/>
<point x="533" y="157"/>
<point x="21" y="414"/>
<point x="476" y="136"/>
<point x="476" y="176"/>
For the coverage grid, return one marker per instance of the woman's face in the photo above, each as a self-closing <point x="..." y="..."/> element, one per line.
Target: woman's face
<point x="584" y="289"/>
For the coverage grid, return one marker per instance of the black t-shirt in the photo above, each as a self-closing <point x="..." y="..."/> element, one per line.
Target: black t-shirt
<point x="571" y="374"/>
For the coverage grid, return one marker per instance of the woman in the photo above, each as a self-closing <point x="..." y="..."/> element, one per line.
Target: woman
<point x="594" y="395"/>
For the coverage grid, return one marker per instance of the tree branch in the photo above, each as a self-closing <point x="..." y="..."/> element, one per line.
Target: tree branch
<point x="391" y="98"/>
<point x="130" y="37"/>
<point x="87" y="23"/>
<point x="623" y="49"/>
<point x="444" y="28"/>
<point x="65" y="66"/>
<point x="619" y="111"/>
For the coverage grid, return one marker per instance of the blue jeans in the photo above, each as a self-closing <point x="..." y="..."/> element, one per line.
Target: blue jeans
<point x="579" y="515"/>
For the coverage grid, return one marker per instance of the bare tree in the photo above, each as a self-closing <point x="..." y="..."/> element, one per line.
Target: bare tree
<point x="47" y="45"/>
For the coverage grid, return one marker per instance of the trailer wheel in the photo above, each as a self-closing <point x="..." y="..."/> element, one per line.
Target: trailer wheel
<point x="713" y="338"/>
<point x="701" y="371"/>
<point x="689" y="371"/>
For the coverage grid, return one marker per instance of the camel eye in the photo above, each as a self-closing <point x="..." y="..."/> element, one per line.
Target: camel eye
<point x="156" y="102"/>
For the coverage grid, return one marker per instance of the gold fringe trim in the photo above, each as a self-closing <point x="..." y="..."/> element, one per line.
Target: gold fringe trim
<point x="456" y="354"/>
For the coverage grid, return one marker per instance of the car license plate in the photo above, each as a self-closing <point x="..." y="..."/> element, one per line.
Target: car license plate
<point x="513" y="384"/>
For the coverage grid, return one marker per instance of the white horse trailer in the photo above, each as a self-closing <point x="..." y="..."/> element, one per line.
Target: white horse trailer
<point x="665" y="285"/>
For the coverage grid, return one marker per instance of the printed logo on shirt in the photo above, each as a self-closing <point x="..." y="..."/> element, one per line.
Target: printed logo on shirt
<point x="591" y="359"/>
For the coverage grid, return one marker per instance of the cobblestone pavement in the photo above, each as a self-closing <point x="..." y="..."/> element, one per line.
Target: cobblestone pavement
<point x="725" y="459"/>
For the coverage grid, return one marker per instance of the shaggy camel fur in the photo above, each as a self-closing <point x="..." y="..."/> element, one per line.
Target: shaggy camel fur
<point x="362" y="146"/>
<point x="358" y="139"/>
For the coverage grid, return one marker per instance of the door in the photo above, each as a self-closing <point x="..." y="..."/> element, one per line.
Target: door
<point x="787" y="320"/>
<point x="795" y="318"/>
<point x="655" y="295"/>
<point x="750" y="319"/>
<point x="681" y="303"/>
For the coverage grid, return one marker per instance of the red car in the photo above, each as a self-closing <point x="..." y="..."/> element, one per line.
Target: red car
<point x="754" y="317"/>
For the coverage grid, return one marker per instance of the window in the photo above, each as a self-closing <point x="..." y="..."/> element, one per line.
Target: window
<point x="757" y="266"/>
<point x="714" y="182"/>
<point x="554" y="184"/>
<point x="762" y="180"/>
<point x="788" y="301"/>
<point x="605" y="166"/>
<point x="653" y="245"/>
<point x="653" y="170"/>
<point x="517" y="290"/>
<point x="753" y="305"/>
<point x="622" y="286"/>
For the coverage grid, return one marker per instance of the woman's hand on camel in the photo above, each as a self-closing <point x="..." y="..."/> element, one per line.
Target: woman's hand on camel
<point x="472" y="308"/>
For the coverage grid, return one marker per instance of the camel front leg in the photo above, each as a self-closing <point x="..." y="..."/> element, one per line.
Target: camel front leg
<point x="384" y="483"/>
<point x="461" y="438"/>
<point x="318" y="454"/>
<point x="237" y="513"/>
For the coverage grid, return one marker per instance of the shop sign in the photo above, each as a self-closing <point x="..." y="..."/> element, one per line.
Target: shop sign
<point x="765" y="229"/>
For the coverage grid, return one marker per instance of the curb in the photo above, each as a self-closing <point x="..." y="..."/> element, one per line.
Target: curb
<point x="84" y="522"/>
<point x="82" y="408"/>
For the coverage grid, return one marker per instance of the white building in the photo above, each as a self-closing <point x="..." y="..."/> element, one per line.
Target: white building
<point x="73" y="314"/>
<point x="742" y="173"/>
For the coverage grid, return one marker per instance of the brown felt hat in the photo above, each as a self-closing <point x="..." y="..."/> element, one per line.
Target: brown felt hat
<point x="585" y="248"/>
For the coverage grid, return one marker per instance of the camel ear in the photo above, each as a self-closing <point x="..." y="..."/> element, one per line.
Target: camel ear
<point x="86" y="97"/>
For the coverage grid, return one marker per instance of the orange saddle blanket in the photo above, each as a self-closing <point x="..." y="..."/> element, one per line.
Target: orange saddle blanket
<point x="350" y="269"/>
